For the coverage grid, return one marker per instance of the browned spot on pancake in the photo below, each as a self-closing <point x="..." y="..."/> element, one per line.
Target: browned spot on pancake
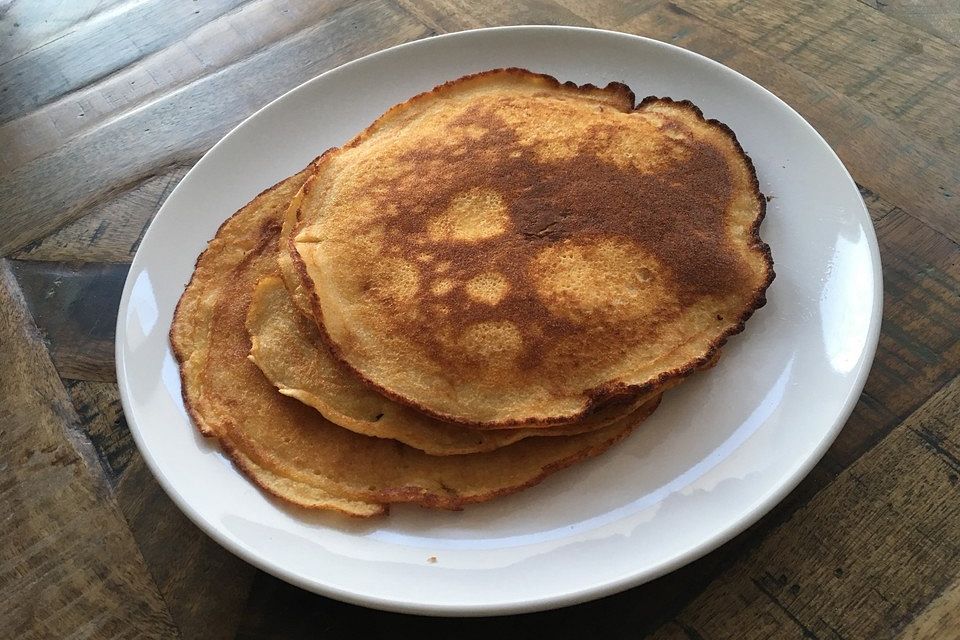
<point x="511" y="209"/>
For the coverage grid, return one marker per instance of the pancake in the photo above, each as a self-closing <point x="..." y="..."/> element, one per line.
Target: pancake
<point x="190" y="337"/>
<point x="287" y="348"/>
<point x="288" y="448"/>
<point x="508" y="250"/>
<point x="299" y="294"/>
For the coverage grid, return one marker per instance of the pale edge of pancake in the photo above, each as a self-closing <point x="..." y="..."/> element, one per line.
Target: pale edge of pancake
<point x="609" y="393"/>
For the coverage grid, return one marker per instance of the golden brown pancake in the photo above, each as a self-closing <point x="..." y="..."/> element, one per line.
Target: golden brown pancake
<point x="299" y="294"/>
<point x="508" y="250"/>
<point x="288" y="448"/>
<point x="191" y="336"/>
<point x="291" y="355"/>
<point x="288" y="349"/>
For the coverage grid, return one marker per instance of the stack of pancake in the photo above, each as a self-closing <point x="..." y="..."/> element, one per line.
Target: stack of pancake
<point x="496" y="279"/>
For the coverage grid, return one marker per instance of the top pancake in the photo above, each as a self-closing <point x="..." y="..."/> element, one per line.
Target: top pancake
<point x="507" y="250"/>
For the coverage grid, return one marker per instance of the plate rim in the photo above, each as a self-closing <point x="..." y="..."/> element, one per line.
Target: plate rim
<point x="590" y="592"/>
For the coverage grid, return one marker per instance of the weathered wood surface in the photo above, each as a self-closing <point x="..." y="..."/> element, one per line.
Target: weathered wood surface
<point x="105" y="105"/>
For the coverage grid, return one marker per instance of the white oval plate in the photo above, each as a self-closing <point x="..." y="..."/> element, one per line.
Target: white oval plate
<point x="719" y="453"/>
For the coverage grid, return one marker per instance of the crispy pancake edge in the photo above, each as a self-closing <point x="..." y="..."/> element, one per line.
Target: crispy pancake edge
<point x="259" y="476"/>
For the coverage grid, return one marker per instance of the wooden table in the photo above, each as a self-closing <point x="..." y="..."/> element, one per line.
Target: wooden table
<point x="105" y="105"/>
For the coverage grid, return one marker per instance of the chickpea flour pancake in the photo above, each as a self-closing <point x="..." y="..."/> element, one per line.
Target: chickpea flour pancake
<point x="287" y="447"/>
<point x="506" y="250"/>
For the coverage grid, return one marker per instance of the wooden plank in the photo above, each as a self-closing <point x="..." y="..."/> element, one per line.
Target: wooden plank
<point x="457" y="15"/>
<point x="177" y="128"/>
<point x="30" y="24"/>
<point x="940" y="18"/>
<point x="205" y="586"/>
<point x="608" y="14"/>
<point x="917" y="356"/>
<point x="110" y="230"/>
<point x="896" y="71"/>
<point x="75" y="306"/>
<point x="878" y="207"/>
<point x="100" y="418"/>
<point x="942" y="616"/>
<point x="109" y="41"/>
<point x="68" y="564"/>
<point x="872" y="549"/>
<point x="221" y="43"/>
<point x="904" y="170"/>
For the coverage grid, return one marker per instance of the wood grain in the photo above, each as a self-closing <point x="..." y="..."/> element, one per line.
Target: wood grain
<point x="111" y="40"/>
<point x="225" y="41"/>
<point x="457" y="15"/>
<point x="75" y="306"/>
<point x="178" y="127"/>
<point x="26" y="25"/>
<point x="100" y="419"/>
<point x="69" y="566"/>
<point x="205" y="586"/>
<point x="182" y="560"/>
<point x="105" y="105"/>
<point x="907" y="172"/>
<point x="906" y="76"/>
<point x="940" y="615"/>
<point x="940" y="18"/>
<point x="860" y="559"/>
<point x="110" y="230"/>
